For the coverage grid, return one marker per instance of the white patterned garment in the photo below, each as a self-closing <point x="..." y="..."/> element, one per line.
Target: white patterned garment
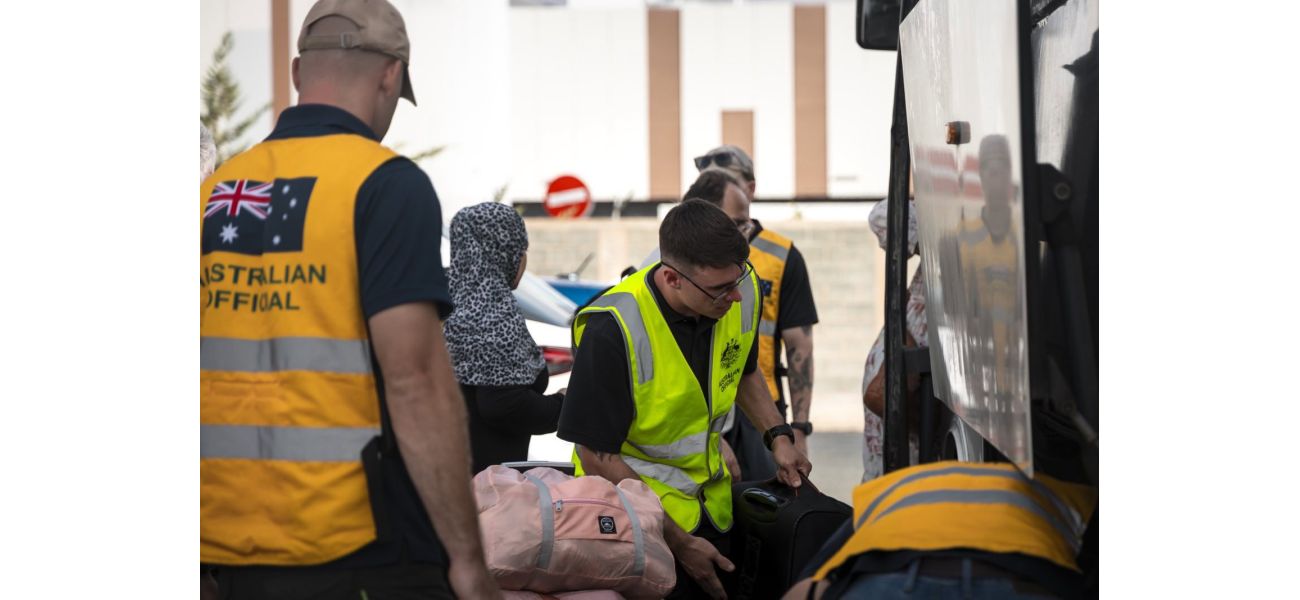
<point x="873" y="435"/>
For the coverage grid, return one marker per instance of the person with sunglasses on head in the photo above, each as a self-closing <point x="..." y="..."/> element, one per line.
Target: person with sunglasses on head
<point x="659" y="361"/>
<point x="788" y="312"/>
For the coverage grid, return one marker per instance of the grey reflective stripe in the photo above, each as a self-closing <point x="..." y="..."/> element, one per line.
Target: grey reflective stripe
<point x="690" y="445"/>
<point x="638" y="537"/>
<point x="748" y="302"/>
<point x="666" y="474"/>
<point x="284" y="354"/>
<point x="985" y="497"/>
<point x="767" y="328"/>
<point x="774" y="249"/>
<point x="724" y="423"/>
<point x="636" y="336"/>
<point x="1000" y="271"/>
<point x="973" y="236"/>
<point x="1001" y="313"/>
<point x="719" y="424"/>
<point x="1076" y="520"/>
<point x="325" y="444"/>
<point x="548" y="522"/>
<point x="953" y="470"/>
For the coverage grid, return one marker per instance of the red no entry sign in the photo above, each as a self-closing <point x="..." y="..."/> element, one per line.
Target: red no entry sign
<point x="567" y="197"/>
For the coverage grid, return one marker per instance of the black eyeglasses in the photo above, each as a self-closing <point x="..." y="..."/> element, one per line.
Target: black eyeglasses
<point x="746" y="269"/>
<point x="724" y="160"/>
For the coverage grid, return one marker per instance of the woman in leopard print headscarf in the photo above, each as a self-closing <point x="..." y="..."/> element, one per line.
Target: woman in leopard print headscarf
<point x="499" y="366"/>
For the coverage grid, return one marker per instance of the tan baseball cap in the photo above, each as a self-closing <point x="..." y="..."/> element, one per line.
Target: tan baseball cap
<point x="380" y="28"/>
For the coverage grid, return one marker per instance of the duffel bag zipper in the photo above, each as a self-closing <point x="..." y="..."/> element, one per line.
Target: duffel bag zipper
<point x="559" y="504"/>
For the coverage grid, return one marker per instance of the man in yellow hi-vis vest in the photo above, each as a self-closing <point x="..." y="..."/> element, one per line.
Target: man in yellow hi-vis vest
<point x="332" y="435"/>
<point x="959" y="530"/>
<point x="659" y="361"/>
<point x="788" y="314"/>
<point x="991" y="270"/>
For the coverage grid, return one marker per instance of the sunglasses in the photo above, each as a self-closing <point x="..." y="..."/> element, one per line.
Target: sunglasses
<point x="746" y="268"/>
<point x="724" y="160"/>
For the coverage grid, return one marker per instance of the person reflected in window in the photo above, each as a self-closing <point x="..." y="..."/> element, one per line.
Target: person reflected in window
<point x="500" y="368"/>
<point x="990" y="264"/>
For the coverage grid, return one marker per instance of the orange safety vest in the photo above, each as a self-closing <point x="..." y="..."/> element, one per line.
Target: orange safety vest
<point x="288" y="396"/>
<point x="950" y="504"/>
<point x="768" y="252"/>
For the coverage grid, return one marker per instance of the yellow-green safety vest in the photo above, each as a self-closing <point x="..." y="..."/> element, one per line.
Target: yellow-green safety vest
<point x="286" y="389"/>
<point x="673" y="441"/>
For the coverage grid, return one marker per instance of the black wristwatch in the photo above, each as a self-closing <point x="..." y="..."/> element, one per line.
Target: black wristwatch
<point x="770" y="435"/>
<point x="804" y="426"/>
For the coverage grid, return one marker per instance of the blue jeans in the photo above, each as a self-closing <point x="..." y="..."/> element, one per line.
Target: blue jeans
<point x="908" y="585"/>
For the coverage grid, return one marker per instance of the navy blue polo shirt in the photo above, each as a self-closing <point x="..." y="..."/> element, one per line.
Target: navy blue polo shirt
<point x="398" y="229"/>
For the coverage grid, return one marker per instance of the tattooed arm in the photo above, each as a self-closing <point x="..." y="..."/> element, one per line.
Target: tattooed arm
<point x="799" y="355"/>
<point x="605" y="464"/>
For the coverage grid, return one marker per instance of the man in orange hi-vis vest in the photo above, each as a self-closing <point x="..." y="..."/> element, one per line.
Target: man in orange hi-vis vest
<point x="788" y="315"/>
<point x="332" y="431"/>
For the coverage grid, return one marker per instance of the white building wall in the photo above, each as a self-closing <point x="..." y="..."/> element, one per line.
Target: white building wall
<point x="460" y="68"/>
<point x="578" y="101"/>
<point x="740" y="57"/>
<point x="859" y="108"/>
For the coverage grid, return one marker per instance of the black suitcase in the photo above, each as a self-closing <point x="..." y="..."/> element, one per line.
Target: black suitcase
<point x="776" y="532"/>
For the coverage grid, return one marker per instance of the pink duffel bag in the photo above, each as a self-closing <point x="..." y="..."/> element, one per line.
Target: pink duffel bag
<point x="583" y="595"/>
<point x="544" y="531"/>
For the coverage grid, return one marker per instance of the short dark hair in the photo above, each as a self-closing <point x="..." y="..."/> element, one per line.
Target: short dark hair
<point x="711" y="186"/>
<point x="699" y="234"/>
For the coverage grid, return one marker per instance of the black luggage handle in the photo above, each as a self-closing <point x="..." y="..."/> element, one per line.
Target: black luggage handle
<point x="763" y="495"/>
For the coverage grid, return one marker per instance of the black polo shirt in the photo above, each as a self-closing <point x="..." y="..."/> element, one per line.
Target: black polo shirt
<point x="598" y="408"/>
<point x="398" y="230"/>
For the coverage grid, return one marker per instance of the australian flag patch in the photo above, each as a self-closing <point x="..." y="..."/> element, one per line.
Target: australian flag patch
<point x="255" y="217"/>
